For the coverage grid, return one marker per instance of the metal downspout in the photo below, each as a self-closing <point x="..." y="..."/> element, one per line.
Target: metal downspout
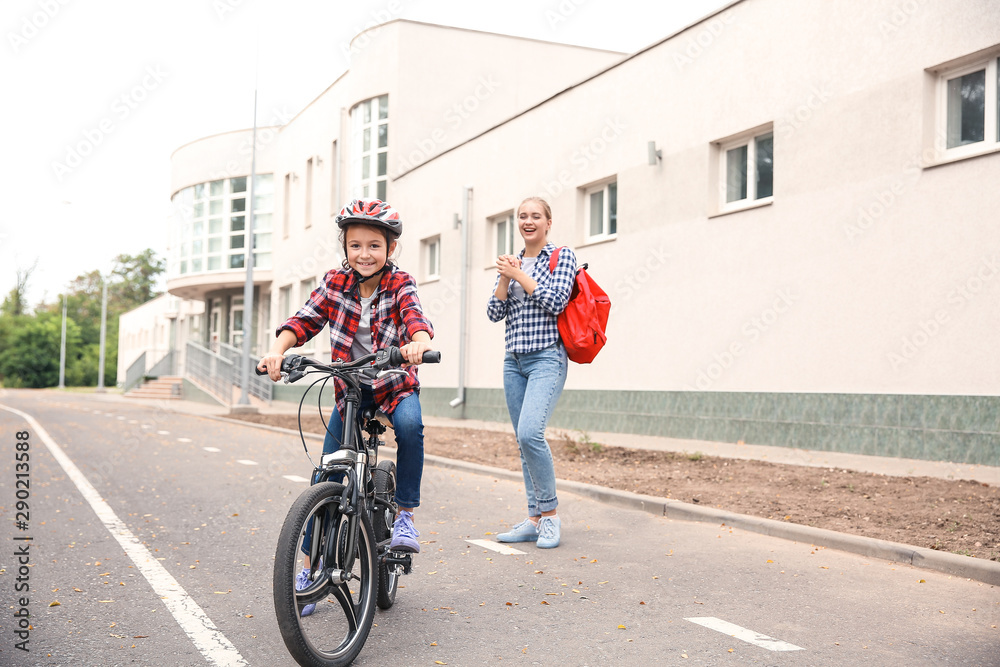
<point x="463" y="299"/>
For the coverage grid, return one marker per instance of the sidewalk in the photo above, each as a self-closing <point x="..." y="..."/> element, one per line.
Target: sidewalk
<point x="952" y="564"/>
<point x="883" y="465"/>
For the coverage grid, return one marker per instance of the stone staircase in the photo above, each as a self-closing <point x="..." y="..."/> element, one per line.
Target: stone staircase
<point x="164" y="387"/>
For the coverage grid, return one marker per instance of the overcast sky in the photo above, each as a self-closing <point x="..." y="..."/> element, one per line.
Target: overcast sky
<point x="99" y="94"/>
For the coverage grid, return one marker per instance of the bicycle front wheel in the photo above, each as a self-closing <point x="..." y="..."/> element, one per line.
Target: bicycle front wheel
<point x="324" y="610"/>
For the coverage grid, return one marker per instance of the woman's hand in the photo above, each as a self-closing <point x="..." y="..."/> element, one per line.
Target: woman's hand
<point x="509" y="267"/>
<point x="413" y="352"/>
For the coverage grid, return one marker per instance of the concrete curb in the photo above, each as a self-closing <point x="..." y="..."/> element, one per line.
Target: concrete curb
<point x="961" y="566"/>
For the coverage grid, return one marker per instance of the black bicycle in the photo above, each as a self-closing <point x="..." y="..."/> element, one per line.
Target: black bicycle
<point x="338" y="531"/>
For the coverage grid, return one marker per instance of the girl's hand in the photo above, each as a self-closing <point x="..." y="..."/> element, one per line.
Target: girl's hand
<point x="508" y="266"/>
<point x="413" y="352"/>
<point x="272" y="364"/>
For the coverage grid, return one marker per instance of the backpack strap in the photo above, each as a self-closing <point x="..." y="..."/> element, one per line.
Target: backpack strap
<point x="554" y="259"/>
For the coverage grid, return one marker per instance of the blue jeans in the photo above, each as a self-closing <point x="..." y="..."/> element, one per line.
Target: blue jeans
<point x="532" y="384"/>
<point x="408" y="425"/>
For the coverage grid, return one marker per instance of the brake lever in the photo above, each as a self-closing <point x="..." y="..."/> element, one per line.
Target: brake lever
<point x="391" y="371"/>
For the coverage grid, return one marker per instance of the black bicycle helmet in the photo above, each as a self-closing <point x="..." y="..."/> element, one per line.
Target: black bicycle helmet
<point x="374" y="212"/>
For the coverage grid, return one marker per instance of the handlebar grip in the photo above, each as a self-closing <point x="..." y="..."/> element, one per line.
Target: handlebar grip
<point x="258" y="371"/>
<point x="430" y="357"/>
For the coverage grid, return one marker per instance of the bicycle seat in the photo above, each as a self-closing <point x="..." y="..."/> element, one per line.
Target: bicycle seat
<point x="372" y="412"/>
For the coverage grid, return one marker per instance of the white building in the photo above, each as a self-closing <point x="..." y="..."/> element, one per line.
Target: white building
<point x="788" y="203"/>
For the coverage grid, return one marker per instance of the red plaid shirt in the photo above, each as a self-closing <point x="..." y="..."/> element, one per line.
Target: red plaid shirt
<point x="396" y="316"/>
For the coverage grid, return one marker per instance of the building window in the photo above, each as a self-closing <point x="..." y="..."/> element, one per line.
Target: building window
<point x="601" y="211"/>
<point x="503" y="234"/>
<point x="746" y="170"/>
<point x="370" y="147"/>
<point x="285" y="302"/>
<point x="969" y="103"/>
<point x="431" y="253"/>
<point x="335" y="203"/>
<point x="286" y="212"/>
<point x="306" y="288"/>
<point x="209" y="234"/>
<point x="309" y="192"/>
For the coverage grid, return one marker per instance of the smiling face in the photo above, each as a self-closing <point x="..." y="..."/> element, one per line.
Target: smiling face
<point x="367" y="250"/>
<point x="533" y="222"/>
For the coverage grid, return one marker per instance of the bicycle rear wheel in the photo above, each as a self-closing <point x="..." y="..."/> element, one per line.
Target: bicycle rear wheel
<point x="336" y="630"/>
<point x="382" y="519"/>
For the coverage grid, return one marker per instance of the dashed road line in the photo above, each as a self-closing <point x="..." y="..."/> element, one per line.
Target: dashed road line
<point x="749" y="636"/>
<point x="295" y="478"/>
<point x="496" y="546"/>
<point x="184" y="440"/>
<point x="212" y="449"/>
<point x="207" y="638"/>
<point x="247" y="462"/>
<point x="163" y="433"/>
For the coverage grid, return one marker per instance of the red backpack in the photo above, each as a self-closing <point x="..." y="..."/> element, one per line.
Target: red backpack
<point x="583" y="322"/>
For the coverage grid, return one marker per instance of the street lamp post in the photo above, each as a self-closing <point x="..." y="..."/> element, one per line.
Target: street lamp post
<point x="104" y="329"/>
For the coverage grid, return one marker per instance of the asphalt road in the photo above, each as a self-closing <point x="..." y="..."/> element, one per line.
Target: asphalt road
<point x="205" y="500"/>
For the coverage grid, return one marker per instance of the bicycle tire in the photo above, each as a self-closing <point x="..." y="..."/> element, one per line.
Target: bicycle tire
<point x="329" y="637"/>
<point x="382" y="520"/>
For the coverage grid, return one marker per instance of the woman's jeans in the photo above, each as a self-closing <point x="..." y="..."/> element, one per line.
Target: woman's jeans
<point x="408" y="426"/>
<point x="532" y="383"/>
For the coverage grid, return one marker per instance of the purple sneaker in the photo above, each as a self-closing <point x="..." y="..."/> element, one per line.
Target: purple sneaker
<point x="301" y="581"/>
<point x="404" y="535"/>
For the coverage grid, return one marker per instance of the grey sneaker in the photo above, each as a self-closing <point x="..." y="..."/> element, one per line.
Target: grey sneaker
<point x="548" y="532"/>
<point x="301" y="581"/>
<point x="404" y="535"/>
<point x="522" y="532"/>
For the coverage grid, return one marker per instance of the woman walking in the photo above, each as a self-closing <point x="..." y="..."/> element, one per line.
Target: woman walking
<point x="529" y="296"/>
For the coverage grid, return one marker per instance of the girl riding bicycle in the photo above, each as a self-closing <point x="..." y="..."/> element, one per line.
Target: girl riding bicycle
<point x="370" y="304"/>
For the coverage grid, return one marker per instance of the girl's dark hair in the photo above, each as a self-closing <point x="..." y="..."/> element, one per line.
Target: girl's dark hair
<point x="389" y="238"/>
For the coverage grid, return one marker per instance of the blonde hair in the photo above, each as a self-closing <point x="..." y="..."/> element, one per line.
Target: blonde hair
<point x="538" y="200"/>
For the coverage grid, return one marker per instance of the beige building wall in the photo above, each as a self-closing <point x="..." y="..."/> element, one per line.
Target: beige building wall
<point x="828" y="288"/>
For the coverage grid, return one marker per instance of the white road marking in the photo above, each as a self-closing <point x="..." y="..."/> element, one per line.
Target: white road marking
<point x="211" y="449"/>
<point x="163" y="433"/>
<point x="184" y="440"/>
<point x="749" y="636"/>
<point x="496" y="546"/>
<point x="246" y="462"/>
<point x="295" y="478"/>
<point x="206" y="637"/>
<point x="120" y="418"/>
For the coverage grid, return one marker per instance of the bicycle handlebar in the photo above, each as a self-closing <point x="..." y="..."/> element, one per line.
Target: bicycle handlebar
<point x="389" y="357"/>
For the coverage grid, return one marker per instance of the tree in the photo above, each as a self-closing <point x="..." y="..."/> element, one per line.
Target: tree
<point x="31" y="357"/>
<point x="16" y="302"/>
<point x="137" y="276"/>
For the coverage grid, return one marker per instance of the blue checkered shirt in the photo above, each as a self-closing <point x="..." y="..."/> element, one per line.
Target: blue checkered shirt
<point x="531" y="322"/>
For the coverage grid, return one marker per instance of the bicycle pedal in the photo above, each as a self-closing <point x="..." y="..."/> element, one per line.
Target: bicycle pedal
<point x="399" y="559"/>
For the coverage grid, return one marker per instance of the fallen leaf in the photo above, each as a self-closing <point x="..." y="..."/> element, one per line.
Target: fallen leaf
<point x="55" y="603"/>
<point x="545" y="601"/>
<point x="621" y="627"/>
<point x="922" y="581"/>
<point x="434" y="643"/>
<point x="641" y="602"/>
<point x="77" y="590"/>
<point x="594" y="561"/>
<point x="434" y="572"/>
<point x="140" y="636"/>
<point x="438" y="662"/>
<point x="247" y="615"/>
<point x="104" y="574"/>
<point x="731" y="650"/>
<point x="770" y="561"/>
<point x="684" y="655"/>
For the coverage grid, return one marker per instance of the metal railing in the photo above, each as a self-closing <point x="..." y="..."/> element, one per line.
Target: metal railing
<point x="165" y="366"/>
<point x="135" y="372"/>
<point x="212" y="371"/>
<point x="260" y="385"/>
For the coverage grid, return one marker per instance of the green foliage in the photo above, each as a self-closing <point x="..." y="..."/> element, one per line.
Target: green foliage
<point x="36" y="337"/>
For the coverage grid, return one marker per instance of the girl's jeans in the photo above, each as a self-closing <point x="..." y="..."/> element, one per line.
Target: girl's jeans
<point x="408" y="426"/>
<point x="532" y="383"/>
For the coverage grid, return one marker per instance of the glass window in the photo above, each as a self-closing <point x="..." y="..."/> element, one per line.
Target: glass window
<point x="382" y="159"/>
<point x="236" y="261"/>
<point x="199" y="191"/>
<point x="236" y="241"/>
<point x="262" y="221"/>
<point x="196" y="247"/>
<point x="239" y="205"/>
<point x="215" y="207"/>
<point x="602" y="211"/>
<point x="966" y="109"/>
<point x="747" y="170"/>
<point x="504" y="225"/>
<point x="369" y="166"/>
<point x="236" y="223"/>
<point x="214" y="263"/>
<point x="196" y="265"/>
<point x="264" y="184"/>
<point x="263" y="202"/>
<point x="261" y="241"/>
<point x="432" y="257"/>
<point x="383" y="107"/>
<point x="199" y="210"/>
<point x="215" y="225"/>
<point x="379" y="190"/>
<point x="215" y="188"/>
<point x="198" y="229"/>
<point x="366" y="139"/>
<point x="383" y="135"/>
<point x="238" y="184"/>
<point x="366" y="111"/>
<point x="215" y="244"/>
<point x="262" y="260"/>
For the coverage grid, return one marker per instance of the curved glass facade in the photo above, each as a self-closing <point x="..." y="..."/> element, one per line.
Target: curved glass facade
<point x="207" y="232"/>
<point x="370" y="147"/>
